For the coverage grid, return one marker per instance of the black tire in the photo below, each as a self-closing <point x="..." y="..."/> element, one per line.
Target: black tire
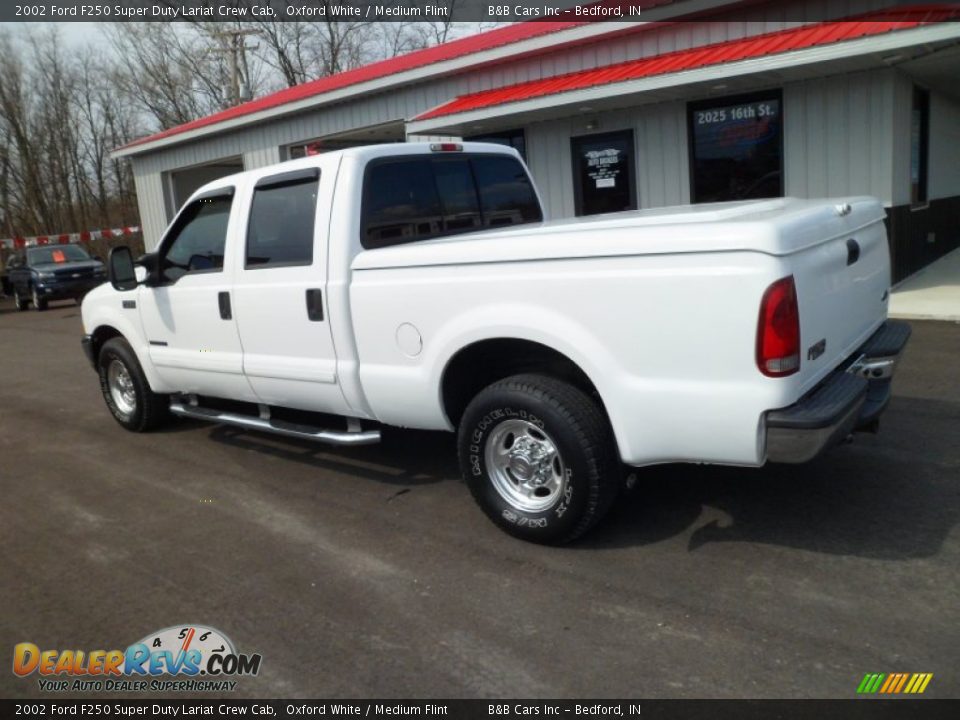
<point x="149" y="409"/>
<point x="39" y="303"/>
<point x="19" y="302"/>
<point x="564" y="418"/>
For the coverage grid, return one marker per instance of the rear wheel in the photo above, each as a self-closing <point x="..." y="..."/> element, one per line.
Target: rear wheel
<point x="539" y="458"/>
<point x="126" y="390"/>
<point x="19" y="301"/>
<point x="39" y="303"/>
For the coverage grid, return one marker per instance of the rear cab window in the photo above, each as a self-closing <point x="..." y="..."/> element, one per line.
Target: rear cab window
<point x="413" y="198"/>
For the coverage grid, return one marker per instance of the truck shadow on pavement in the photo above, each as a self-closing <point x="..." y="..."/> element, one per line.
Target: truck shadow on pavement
<point x="403" y="457"/>
<point x="891" y="496"/>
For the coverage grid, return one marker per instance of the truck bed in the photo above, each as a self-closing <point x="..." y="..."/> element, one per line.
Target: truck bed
<point x="778" y="227"/>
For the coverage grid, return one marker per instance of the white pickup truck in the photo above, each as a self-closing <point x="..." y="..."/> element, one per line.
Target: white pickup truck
<point x="416" y="285"/>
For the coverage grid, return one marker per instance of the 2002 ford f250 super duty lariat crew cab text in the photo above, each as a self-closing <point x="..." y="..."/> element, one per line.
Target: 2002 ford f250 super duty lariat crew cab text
<point x="417" y="285"/>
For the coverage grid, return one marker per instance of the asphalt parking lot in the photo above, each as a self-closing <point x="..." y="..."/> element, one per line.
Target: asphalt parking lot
<point x="370" y="573"/>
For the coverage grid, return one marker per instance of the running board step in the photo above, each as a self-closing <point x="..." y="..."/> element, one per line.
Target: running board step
<point x="278" y="427"/>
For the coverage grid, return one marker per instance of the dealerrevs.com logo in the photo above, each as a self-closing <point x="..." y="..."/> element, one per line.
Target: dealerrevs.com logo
<point x="199" y="657"/>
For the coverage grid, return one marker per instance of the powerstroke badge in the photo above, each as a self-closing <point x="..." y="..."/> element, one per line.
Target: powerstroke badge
<point x="185" y="652"/>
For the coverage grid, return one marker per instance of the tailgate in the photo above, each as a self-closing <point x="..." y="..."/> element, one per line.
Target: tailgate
<point x="842" y="284"/>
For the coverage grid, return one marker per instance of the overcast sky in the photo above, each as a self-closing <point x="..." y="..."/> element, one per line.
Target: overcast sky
<point x="72" y="33"/>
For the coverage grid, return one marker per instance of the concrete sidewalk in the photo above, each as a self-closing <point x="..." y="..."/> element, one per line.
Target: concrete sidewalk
<point x="932" y="293"/>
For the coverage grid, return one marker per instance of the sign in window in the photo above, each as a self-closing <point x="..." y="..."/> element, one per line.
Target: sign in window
<point x="736" y="148"/>
<point x="603" y="173"/>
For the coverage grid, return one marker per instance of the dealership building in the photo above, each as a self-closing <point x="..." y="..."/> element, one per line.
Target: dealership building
<point x="693" y="101"/>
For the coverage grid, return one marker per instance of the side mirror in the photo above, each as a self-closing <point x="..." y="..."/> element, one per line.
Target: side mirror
<point x="121" y="271"/>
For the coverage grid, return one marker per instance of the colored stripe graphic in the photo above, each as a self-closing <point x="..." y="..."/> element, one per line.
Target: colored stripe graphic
<point x="894" y="683"/>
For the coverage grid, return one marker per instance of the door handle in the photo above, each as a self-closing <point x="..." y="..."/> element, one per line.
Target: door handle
<point x="853" y="251"/>
<point x="315" y="304"/>
<point x="223" y="299"/>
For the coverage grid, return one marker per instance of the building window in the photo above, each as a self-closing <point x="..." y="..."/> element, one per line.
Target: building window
<point x="511" y="138"/>
<point x="919" y="143"/>
<point x="314" y="147"/>
<point x="603" y="173"/>
<point x="736" y="148"/>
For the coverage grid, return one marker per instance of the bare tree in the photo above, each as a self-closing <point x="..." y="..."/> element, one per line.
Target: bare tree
<point x="61" y="115"/>
<point x="26" y="204"/>
<point x="174" y="75"/>
<point x="58" y="122"/>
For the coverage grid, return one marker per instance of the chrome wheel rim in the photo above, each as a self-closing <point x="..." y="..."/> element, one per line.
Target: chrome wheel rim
<point x="525" y="466"/>
<point x="120" y="384"/>
<point x="36" y="298"/>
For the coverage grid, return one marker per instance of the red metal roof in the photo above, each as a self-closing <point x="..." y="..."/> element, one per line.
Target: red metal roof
<point x="438" y="53"/>
<point x="756" y="46"/>
<point x="453" y="49"/>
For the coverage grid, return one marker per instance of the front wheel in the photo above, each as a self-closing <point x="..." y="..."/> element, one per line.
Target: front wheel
<point x="539" y="458"/>
<point x="126" y="390"/>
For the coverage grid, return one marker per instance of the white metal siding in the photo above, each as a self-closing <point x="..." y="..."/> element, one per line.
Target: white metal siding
<point x="838" y="140"/>
<point x="151" y="199"/>
<point x="839" y="135"/>
<point x="261" y="157"/>
<point x="260" y="144"/>
<point x="899" y="146"/>
<point x="663" y="162"/>
<point x="659" y="135"/>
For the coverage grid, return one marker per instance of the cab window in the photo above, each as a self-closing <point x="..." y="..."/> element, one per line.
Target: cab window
<point x="423" y="197"/>
<point x="197" y="241"/>
<point x="282" y="218"/>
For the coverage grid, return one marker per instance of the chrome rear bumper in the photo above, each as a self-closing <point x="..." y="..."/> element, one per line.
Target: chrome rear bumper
<point x="849" y="400"/>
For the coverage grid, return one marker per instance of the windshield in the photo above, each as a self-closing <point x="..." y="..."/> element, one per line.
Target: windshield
<point x="57" y="254"/>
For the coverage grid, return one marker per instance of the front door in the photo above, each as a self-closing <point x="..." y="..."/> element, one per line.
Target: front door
<point x="187" y="316"/>
<point x="280" y="294"/>
<point x="603" y="173"/>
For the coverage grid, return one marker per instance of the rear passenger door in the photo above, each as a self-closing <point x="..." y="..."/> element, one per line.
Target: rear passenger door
<point x="280" y="296"/>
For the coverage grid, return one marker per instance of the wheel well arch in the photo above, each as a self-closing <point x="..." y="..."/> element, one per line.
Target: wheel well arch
<point x="484" y="362"/>
<point x="99" y="336"/>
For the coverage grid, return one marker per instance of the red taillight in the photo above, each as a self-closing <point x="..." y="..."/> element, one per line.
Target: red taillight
<point x="778" y="333"/>
<point x="446" y="147"/>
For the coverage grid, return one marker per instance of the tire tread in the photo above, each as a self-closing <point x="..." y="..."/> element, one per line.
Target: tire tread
<point x="153" y="409"/>
<point x="590" y="426"/>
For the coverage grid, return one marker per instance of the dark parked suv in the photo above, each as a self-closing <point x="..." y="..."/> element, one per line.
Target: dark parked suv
<point x="55" y="272"/>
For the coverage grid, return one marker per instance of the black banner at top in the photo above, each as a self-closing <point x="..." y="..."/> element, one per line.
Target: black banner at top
<point x="412" y="10"/>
